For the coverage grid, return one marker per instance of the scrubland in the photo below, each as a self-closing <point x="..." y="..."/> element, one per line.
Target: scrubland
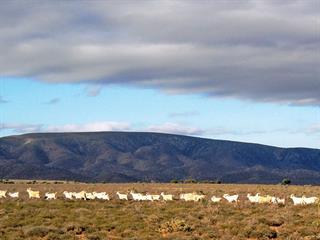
<point x="115" y="219"/>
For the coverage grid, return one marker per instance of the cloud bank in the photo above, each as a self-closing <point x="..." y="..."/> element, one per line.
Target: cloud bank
<point x="175" y="128"/>
<point x="87" y="127"/>
<point x="168" y="127"/>
<point x="255" y="50"/>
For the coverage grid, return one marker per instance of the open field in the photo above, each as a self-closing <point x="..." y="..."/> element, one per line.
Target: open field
<point x="62" y="219"/>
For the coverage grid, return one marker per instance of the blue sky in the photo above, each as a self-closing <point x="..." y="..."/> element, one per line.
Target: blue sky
<point x="33" y="106"/>
<point x="236" y="70"/>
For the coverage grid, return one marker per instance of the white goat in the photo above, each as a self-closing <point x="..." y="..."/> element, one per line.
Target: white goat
<point x="90" y="196"/>
<point x="231" y="198"/>
<point x="276" y="200"/>
<point x="156" y="197"/>
<point x="215" y="199"/>
<point x="101" y="195"/>
<point x="33" y="194"/>
<point x="136" y="196"/>
<point x="153" y="197"/>
<point x="187" y="196"/>
<point x="310" y="200"/>
<point x="253" y="198"/>
<point x="198" y="197"/>
<point x="297" y="200"/>
<point x="147" y="197"/>
<point x="167" y="197"/>
<point x="105" y="197"/>
<point x="79" y="195"/>
<point x="3" y="193"/>
<point x="144" y="197"/>
<point x="50" y="196"/>
<point x="265" y="199"/>
<point x="122" y="196"/>
<point x="191" y="197"/>
<point x="68" y="195"/>
<point x="281" y="200"/>
<point x="13" y="194"/>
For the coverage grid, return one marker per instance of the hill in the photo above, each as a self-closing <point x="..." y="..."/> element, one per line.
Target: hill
<point x="134" y="156"/>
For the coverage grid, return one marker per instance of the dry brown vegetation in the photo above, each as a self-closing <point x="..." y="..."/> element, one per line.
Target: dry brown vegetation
<point x="62" y="219"/>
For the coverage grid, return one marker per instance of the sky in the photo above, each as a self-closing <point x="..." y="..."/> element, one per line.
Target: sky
<point x="244" y="70"/>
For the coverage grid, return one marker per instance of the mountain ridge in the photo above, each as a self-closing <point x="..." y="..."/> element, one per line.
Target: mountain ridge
<point x="148" y="156"/>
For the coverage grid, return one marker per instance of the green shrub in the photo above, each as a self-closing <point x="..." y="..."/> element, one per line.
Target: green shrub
<point x="286" y="181"/>
<point x="175" y="225"/>
<point x="54" y="236"/>
<point x="174" y="181"/>
<point x="190" y="181"/>
<point x="37" y="232"/>
<point x="93" y="237"/>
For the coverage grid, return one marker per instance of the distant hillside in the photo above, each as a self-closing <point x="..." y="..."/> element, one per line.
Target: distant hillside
<point x="134" y="156"/>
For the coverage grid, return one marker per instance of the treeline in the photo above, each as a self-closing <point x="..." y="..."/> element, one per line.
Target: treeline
<point x="285" y="181"/>
<point x="8" y="181"/>
<point x="195" y="181"/>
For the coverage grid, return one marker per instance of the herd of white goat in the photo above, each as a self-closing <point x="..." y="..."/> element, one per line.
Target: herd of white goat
<point x="83" y="195"/>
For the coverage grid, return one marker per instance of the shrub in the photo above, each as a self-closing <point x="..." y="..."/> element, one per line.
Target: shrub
<point x="37" y="232"/>
<point x="9" y="182"/>
<point x="174" y="181"/>
<point x="286" y="181"/>
<point x="93" y="237"/>
<point x="175" y="225"/>
<point x="54" y="236"/>
<point x="190" y="181"/>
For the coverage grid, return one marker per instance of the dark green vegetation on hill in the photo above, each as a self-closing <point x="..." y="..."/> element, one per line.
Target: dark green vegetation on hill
<point x="133" y="156"/>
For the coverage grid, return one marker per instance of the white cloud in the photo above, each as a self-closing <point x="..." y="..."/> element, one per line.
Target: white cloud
<point x="259" y="50"/>
<point x="87" y="127"/>
<point x="167" y="127"/>
<point x="21" y="128"/>
<point x="175" y="128"/>
<point x="90" y="127"/>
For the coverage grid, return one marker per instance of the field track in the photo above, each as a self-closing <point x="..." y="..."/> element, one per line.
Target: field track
<point x="115" y="219"/>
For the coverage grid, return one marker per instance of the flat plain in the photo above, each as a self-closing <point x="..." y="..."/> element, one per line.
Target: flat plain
<point x="115" y="219"/>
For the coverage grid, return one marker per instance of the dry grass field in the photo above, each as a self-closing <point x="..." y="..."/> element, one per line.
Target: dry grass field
<point x="62" y="219"/>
